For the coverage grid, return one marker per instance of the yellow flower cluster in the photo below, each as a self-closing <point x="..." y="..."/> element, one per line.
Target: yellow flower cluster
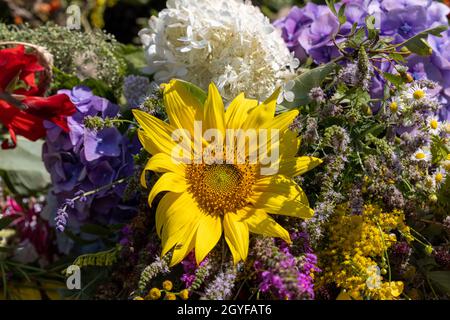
<point x="167" y="286"/>
<point x="355" y="257"/>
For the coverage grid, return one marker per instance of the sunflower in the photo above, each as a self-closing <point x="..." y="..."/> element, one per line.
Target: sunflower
<point x="205" y="198"/>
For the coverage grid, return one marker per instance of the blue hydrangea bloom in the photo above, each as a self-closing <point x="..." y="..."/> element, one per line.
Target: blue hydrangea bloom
<point x="85" y="159"/>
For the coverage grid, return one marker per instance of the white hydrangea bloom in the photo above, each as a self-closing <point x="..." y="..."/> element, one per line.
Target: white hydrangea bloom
<point x="228" y="42"/>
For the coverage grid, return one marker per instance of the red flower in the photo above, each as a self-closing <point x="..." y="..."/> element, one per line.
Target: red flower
<point x="22" y="109"/>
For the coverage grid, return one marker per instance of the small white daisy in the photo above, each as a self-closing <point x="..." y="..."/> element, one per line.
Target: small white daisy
<point x="439" y="175"/>
<point x="433" y="125"/>
<point x="446" y="164"/>
<point x="422" y="154"/>
<point x="396" y="106"/>
<point x="445" y="127"/>
<point x="430" y="183"/>
<point x="416" y="93"/>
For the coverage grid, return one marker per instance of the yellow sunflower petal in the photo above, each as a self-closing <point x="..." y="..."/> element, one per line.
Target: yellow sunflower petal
<point x="263" y="113"/>
<point x="289" y="144"/>
<point x="169" y="181"/>
<point x="180" y="105"/>
<point x="175" y="210"/>
<point x="185" y="246"/>
<point x="280" y="195"/>
<point x="208" y="234"/>
<point x="214" y="115"/>
<point x="260" y="222"/>
<point x="179" y="227"/>
<point x="298" y="166"/>
<point x="236" y="236"/>
<point x="275" y="130"/>
<point x="237" y="111"/>
<point x="282" y="121"/>
<point x="156" y="136"/>
<point x="162" y="162"/>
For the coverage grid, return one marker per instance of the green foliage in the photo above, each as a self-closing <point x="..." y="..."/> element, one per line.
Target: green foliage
<point x="22" y="168"/>
<point x="441" y="279"/>
<point x="134" y="58"/>
<point x="98" y="259"/>
<point x="6" y="221"/>
<point x="83" y="55"/>
<point x="418" y="43"/>
<point x="304" y="83"/>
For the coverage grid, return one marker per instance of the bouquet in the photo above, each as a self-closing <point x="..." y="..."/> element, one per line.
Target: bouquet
<point x="230" y="155"/>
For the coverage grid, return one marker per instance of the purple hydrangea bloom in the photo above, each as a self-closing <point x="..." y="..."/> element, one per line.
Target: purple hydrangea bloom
<point x="309" y="31"/>
<point x="404" y="23"/>
<point x="86" y="159"/>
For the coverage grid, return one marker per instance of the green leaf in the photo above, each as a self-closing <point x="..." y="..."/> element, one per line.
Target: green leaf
<point x="330" y="4"/>
<point x="134" y="57"/>
<point x="370" y="25"/>
<point x="418" y="43"/>
<point x="304" y="83"/>
<point x="341" y="14"/>
<point x="95" y="229"/>
<point x="6" y="221"/>
<point x="78" y="239"/>
<point x="397" y="57"/>
<point x="393" y="78"/>
<point x="441" y="279"/>
<point x="22" y="167"/>
<point x="62" y="80"/>
<point x="359" y="37"/>
<point x="196" y="91"/>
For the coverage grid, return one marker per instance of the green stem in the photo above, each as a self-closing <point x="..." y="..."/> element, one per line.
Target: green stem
<point x="385" y="251"/>
<point x="5" y="287"/>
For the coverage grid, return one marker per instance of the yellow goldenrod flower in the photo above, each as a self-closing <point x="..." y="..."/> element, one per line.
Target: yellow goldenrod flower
<point x="167" y="285"/>
<point x="205" y="197"/>
<point x="154" y="294"/>
<point x="170" y="296"/>
<point x="352" y="253"/>
<point x="184" y="294"/>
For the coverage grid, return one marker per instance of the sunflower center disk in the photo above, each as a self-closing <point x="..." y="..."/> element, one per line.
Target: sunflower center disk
<point x="221" y="188"/>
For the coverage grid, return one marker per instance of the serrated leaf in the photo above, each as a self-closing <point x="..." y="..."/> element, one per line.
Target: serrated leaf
<point x="22" y="167"/>
<point x="304" y="83"/>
